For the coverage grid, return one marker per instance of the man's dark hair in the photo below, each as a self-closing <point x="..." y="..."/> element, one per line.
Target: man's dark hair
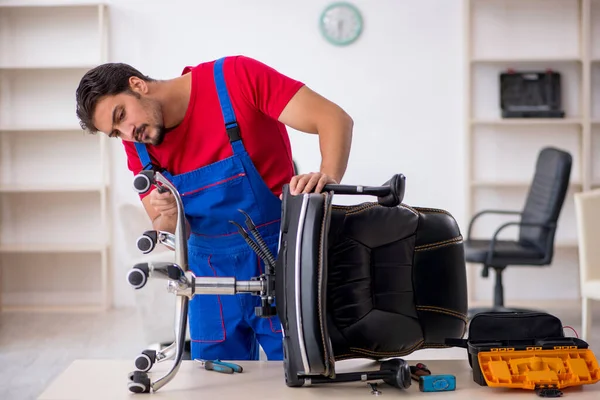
<point x="107" y="79"/>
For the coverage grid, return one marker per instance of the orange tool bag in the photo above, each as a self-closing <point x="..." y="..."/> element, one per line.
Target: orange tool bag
<point x="527" y="350"/>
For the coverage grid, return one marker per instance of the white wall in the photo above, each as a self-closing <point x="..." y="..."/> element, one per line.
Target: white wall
<point x="401" y="82"/>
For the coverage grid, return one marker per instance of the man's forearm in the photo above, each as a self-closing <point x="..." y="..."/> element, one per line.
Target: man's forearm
<point x="165" y="223"/>
<point x="335" y="140"/>
<point x="168" y="223"/>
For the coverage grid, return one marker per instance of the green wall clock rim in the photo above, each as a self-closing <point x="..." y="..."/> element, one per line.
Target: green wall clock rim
<point x="356" y="12"/>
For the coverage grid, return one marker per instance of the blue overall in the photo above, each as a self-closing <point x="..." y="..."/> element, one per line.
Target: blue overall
<point x="225" y="326"/>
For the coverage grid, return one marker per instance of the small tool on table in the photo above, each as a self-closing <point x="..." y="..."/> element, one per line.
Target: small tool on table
<point x="418" y="371"/>
<point x="374" y="390"/>
<point x="220" y="366"/>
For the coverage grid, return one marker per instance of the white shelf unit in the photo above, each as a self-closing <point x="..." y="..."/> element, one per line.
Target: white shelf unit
<point x="54" y="177"/>
<point x="529" y="35"/>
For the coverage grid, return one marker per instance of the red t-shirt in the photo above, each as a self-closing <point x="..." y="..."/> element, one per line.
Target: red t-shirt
<point x="258" y="94"/>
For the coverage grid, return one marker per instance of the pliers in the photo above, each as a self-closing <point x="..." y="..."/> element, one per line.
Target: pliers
<point x="220" y="366"/>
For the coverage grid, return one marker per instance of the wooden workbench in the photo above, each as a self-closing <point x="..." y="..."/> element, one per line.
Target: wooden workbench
<point x="107" y="380"/>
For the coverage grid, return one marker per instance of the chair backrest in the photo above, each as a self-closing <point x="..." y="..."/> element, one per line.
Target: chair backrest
<point x="546" y="197"/>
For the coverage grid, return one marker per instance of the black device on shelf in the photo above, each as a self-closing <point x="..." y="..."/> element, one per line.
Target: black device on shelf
<point x="531" y="94"/>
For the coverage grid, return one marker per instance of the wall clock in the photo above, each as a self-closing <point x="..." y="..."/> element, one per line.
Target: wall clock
<point x="341" y="23"/>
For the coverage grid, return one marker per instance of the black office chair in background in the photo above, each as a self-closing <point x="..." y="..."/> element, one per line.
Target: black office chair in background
<point x="537" y="225"/>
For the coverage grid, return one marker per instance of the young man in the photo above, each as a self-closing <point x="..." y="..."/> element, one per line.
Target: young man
<point x="219" y="133"/>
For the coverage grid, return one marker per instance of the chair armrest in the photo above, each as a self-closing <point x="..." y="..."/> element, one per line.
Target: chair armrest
<point x="519" y="223"/>
<point x="490" y="211"/>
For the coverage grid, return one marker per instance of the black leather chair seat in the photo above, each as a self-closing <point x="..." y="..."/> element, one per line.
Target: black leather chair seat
<point x="504" y="251"/>
<point x="365" y="281"/>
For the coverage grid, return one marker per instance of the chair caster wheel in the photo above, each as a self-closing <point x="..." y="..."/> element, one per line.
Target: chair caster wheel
<point x="139" y="382"/>
<point x="146" y="360"/>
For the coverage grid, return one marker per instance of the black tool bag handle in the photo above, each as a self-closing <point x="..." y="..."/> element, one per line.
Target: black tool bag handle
<point x="506" y="327"/>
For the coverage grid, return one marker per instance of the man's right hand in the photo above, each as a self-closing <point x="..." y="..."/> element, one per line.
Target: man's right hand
<point x="162" y="210"/>
<point x="163" y="203"/>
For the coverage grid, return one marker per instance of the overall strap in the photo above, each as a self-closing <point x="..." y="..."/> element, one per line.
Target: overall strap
<point x="231" y="125"/>
<point x="143" y="155"/>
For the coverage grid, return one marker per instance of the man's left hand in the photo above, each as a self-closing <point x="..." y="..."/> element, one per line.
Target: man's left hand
<point x="311" y="182"/>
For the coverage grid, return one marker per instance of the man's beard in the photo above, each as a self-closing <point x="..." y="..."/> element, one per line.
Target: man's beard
<point x="156" y="116"/>
<point x="160" y="135"/>
<point x="157" y="139"/>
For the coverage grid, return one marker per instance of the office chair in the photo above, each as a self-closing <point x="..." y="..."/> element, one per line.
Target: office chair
<point x="537" y="225"/>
